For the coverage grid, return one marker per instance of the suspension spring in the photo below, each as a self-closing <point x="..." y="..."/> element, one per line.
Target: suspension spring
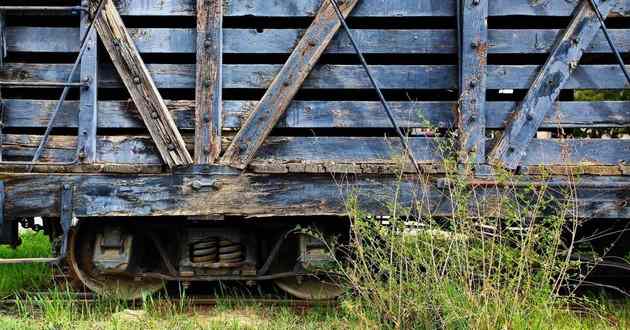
<point x="230" y="252"/>
<point x="205" y="250"/>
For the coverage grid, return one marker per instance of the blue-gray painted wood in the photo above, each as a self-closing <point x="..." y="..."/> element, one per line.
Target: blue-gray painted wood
<point x="260" y="76"/>
<point x="3" y="38"/>
<point x="323" y="114"/>
<point x="88" y="108"/>
<point x="562" y="62"/>
<point x="282" y="41"/>
<point x="367" y="8"/>
<point x="286" y="84"/>
<point x="209" y="78"/>
<point x="340" y="150"/>
<point x="473" y="62"/>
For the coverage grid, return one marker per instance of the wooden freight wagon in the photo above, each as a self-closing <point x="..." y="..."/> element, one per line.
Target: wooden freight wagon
<point x="192" y="138"/>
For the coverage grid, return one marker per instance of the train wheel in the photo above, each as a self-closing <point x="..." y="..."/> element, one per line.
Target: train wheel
<point x="79" y="259"/>
<point x="310" y="287"/>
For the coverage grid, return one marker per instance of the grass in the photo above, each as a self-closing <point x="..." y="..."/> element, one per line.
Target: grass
<point x="25" y="277"/>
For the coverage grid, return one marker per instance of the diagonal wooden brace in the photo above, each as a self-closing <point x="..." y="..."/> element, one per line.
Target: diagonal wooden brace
<point x="142" y="89"/>
<point x="286" y="84"/>
<point x="562" y="62"/>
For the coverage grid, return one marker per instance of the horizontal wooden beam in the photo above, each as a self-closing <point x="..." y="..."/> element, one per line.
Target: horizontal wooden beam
<point x="545" y="90"/>
<point x="322" y="114"/>
<point x="346" y="150"/>
<point x="141" y="87"/>
<point x="286" y="84"/>
<point x="260" y="76"/>
<point x="223" y="192"/>
<point x="282" y="41"/>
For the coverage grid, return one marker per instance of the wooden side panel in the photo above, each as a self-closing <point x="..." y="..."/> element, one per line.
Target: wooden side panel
<point x="473" y="61"/>
<point x="285" y="85"/>
<point x="140" y="85"/>
<point x="3" y="38"/>
<point x="209" y="102"/>
<point x="562" y="62"/>
<point x="88" y="108"/>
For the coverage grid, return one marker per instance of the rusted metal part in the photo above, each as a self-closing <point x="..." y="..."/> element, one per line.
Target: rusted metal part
<point x="43" y="8"/>
<point x="88" y="103"/>
<point x="112" y="251"/>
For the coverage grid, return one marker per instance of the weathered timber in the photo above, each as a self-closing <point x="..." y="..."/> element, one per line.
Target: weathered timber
<point x="22" y="113"/>
<point x="473" y="61"/>
<point x="283" y="41"/>
<point x="285" y="85"/>
<point x="260" y="76"/>
<point x="366" y="8"/>
<point x="209" y="102"/>
<point x="329" y="150"/>
<point x="562" y="62"/>
<point x="88" y="108"/>
<point x="140" y="85"/>
<point x="3" y="38"/>
<point x="272" y="195"/>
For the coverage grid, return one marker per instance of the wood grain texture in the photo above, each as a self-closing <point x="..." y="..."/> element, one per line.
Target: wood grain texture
<point x="562" y="62"/>
<point x="3" y="38"/>
<point x="209" y="102"/>
<point x="141" y="87"/>
<point x="285" y="85"/>
<point x="473" y="62"/>
<point x="88" y="108"/>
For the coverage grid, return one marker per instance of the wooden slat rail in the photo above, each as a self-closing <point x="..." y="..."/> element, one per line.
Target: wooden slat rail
<point x="562" y="62"/>
<point x="260" y="76"/>
<point x="473" y="61"/>
<point x="282" y="41"/>
<point x="3" y="38"/>
<point x="367" y="8"/>
<point x="88" y="109"/>
<point x="209" y="86"/>
<point x="323" y="114"/>
<point x="140" y="85"/>
<point x="285" y="85"/>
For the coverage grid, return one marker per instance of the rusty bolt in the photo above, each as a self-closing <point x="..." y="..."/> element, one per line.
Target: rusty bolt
<point x="208" y="43"/>
<point x="476" y="2"/>
<point x="136" y="80"/>
<point x="474" y="45"/>
<point x="171" y="147"/>
<point x="154" y="115"/>
<point x="312" y="43"/>
<point x="82" y="155"/>
<point x="529" y="117"/>
<point x="196" y="185"/>
<point x="206" y="83"/>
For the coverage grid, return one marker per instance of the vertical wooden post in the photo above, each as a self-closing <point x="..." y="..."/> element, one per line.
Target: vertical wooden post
<point x="473" y="54"/>
<point x="88" y="107"/>
<point x="3" y="54"/>
<point x="208" y="114"/>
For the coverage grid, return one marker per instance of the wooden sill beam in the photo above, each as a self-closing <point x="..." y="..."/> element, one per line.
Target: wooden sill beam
<point x="285" y="85"/>
<point x="562" y="62"/>
<point x="141" y="87"/>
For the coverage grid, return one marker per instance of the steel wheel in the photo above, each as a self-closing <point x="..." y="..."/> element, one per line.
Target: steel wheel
<point x="80" y="250"/>
<point x="310" y="287"/>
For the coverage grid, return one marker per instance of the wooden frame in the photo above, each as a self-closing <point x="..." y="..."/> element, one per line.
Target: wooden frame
<point x="209" y="87"/>
<point x="561" y="64"/>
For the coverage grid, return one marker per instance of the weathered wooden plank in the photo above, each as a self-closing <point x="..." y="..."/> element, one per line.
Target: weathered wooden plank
<point x="367" y="8"/>
<point x="209" y="101"/>
<point x="88" y="109"/>
<point x="3" y="38"/>
<point x="473" y="62"/>
<point x="322" y="114"/>
<point x="141" y="87"/>
<point x="562" y="62"/>
<point x="260" y="76"/>
<point x="283" y="41"/>
<point x="338" y="150"/>
<point x="272" y="195"/>
<point x="285" y="85"/>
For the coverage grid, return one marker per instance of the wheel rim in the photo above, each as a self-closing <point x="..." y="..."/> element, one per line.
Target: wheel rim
<point x="119" y="286"/>
<point x="311" y="287"/>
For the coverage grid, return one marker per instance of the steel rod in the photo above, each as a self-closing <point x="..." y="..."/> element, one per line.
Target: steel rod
<point x="377" y="87"/>
<point x="41" y="84"/>
<point x="66" y="90"/>
<point x="42" y="8"/>
<point x="602" y="21"/>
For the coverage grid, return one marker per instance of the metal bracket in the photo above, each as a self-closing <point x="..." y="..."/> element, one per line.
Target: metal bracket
<point x="8" y="229"/>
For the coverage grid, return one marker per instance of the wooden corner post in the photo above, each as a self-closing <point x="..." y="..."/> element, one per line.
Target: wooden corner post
<point x="286" y="84"/>
<point x="88" y="108"/>
<point x="141" y="87"/>
<point x="562" y="62"/>
<point x="473" y="60"/>
<point x="208" y="114"/>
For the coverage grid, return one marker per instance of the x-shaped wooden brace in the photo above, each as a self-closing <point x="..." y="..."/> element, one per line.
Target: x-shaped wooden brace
<point x="561" y="64"/>
<point x="286" y="84"/>
<point x="140" y="85"/>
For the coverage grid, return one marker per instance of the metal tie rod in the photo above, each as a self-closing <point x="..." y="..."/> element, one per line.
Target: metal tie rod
<point x="66" y="90"/>
<point x="602" y="21"/>
<point x="377" y="87"/>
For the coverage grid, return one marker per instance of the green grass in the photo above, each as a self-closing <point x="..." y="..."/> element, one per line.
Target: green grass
<point x="14" y="278"/>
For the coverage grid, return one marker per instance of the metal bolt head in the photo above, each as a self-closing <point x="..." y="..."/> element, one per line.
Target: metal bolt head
<point x="196" y="185"/>
<point x="171" y="147"/>
<point x="207" y="43"/>
<point x="154" y="115"/>
<point x="136" y="80"/>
